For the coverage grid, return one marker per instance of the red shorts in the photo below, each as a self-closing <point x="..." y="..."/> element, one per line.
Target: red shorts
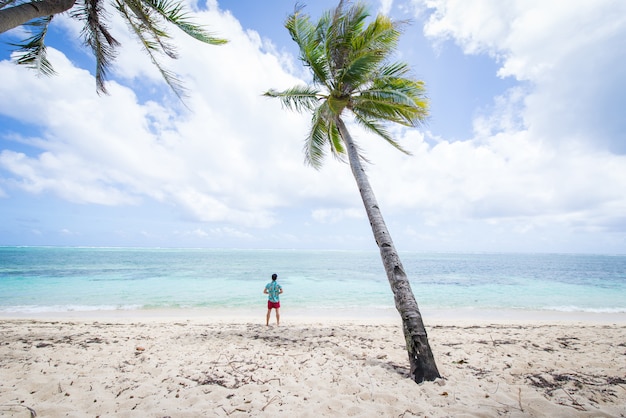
<point x="271" y="305"/>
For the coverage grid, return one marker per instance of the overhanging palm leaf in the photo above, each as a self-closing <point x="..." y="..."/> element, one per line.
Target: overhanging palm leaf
<point x="173" y="12"/>
<point x="152" y="38"/>
<point x="96" y="35"/>
<point x="147" y="22"/>
<point x="348" y="61"/>
<point x="32" y="52"/>
<point x="4" y="3"/>
<point x="145" y="18"/>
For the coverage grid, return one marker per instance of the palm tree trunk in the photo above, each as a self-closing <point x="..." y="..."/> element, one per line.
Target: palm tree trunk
<point x="421" y="359"/>
<point x="11" y="17"/>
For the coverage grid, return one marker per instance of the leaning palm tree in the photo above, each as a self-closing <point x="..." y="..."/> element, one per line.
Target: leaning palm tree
<point x="145" y="19"/>
<point x="351" y="71"/>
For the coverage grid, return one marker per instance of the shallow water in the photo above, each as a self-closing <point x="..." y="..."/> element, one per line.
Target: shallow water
<point x="49" y="279"/>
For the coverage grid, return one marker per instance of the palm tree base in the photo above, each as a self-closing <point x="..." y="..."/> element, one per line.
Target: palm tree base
<point x="421" y="360"/>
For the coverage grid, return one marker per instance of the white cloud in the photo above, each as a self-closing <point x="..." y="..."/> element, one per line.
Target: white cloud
<point x="234" y="158"/>
<point x="385" y="6"/>
<point x="552" y="150"/>
<point x="334" y="215"/>
<point x="571" y="54"/>
<point x="548" y="154"/>
<point x="230" y="233"/>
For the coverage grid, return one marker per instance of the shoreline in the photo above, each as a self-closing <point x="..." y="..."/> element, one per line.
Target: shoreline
<point x="299" y="316"/>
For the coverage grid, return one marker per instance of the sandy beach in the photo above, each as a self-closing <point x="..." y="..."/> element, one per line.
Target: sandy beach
<point x="238" y="367"/>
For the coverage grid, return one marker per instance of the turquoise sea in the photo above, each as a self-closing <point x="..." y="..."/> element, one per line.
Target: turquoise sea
<point x="42" y="280"/>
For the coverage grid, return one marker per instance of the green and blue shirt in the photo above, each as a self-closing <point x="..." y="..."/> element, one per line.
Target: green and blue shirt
<point x="273" y="290"/>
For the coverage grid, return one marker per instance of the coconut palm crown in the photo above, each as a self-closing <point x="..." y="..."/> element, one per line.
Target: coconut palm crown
<point x="349" y="62"/>
<point x="146" y="19"/>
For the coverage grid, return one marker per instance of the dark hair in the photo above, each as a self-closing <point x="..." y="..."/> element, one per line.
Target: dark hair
<point x="274" y="276"/>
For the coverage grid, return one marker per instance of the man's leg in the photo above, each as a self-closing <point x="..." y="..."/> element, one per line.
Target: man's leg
<point x="267" y="317"/>
<point x="277" y="316"/>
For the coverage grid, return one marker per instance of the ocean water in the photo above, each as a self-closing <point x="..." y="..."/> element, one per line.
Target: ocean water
<point x="51" y="279"/>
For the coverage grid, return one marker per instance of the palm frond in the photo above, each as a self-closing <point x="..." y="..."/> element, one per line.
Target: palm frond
<point x="32" y="51"/>
<point x="382" y="36"/>
<point x="374" y="126"/>
<point x="369" y="50"/>
<point x="174" y="12"/>
<point x="146" y="37"/>
<point x="394" y="99"/>
<point x="314" y="150"/>
<point x="148" y="22"/>
<point x="396" y="69"/>
<point x="5" y="3"/>
<point x="337" y="148"/>
<point x="346" y="24"/>
<point x="358" y="71"/>
<point x="351" y="60"/>
<point x="306" y="36"/>
<point x="338" y="38"/>
<point x="323" y="134"/>
<point x="96" y="35"/>
<point x="299" y="98"/>
<point x="392" y="106"/>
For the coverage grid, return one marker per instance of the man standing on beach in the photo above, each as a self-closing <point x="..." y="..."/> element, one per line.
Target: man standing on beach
<point x="273" y="290"/>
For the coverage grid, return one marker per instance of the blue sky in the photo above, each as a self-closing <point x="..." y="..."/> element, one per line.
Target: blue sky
<point x="525" y="149"/>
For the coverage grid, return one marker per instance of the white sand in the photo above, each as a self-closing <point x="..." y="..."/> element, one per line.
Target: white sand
<point x="179" y="367"/>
